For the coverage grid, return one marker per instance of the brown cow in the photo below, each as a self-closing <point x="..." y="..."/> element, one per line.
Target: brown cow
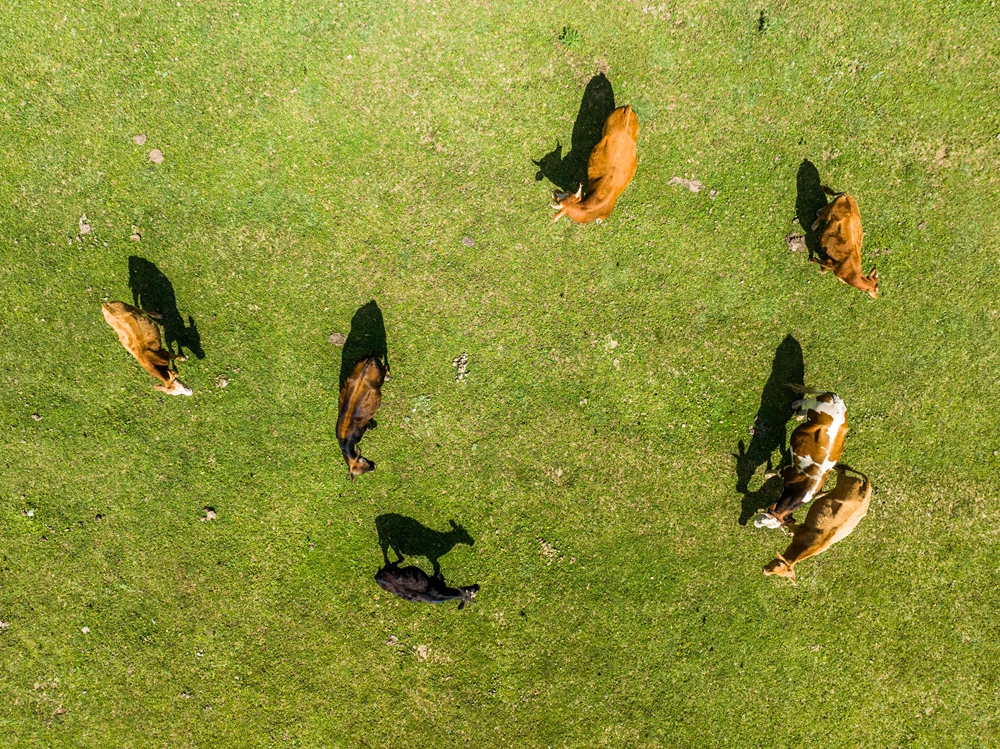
<point x="815" y="446"/>
<point x="832" y="517"/>
<point x="841" y="242"/>
<point x="611" y="167"/>
<point x="360" y="398"/>
<point x="141" y="337"/>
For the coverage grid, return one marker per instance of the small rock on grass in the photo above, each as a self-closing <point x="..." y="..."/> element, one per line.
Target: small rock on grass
<point x="468" y="241"/>
<point x="84" y="226"/>
<point x="209" y="514"/>
<point x="156" y="156"/>
<point x="795" y="242"/>
<point x="337" y="339"/>
<point x="139" y="139"/>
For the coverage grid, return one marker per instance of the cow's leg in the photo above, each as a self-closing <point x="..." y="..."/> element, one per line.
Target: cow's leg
<point x="822" y="215"/>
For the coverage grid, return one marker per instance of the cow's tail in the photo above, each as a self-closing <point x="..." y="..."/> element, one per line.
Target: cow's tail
<point x="830" y="192"/>
<point x="842" y="467"/>
<point x="803" y="390"/>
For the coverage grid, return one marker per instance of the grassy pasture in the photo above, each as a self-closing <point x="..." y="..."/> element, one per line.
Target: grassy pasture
<point x="321" y="155"/>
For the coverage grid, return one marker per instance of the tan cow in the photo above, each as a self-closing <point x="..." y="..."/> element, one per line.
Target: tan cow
<point x="815" y="446"/>
<point x="611" y="167"/>
<point x="141" y="337"/>
<point x="832" y="517"/>
<point x="360" y="398"/>
<point x="841" y="242"/>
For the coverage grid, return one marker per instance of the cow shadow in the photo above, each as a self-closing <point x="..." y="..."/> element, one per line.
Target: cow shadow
<point x="366" y="338"/>
<point x="153" y="292"/>
<point x="769" y="429"/>
<point x="409" y="537"/>
<point x="570" y="171"/>
<point x="809" y="198"/>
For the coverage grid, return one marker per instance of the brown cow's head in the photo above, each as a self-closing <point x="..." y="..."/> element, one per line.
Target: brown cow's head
<point x="173" y="386"/>
<point x="780" y="566"/>
<point x="359" y="466"/>
<point x="565" y="199"/>
<point x="872" y="278"/>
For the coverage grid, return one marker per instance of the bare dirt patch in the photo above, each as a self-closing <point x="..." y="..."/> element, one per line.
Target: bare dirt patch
<point x="461" y="365"/>
<point x="691" y="184"/>
<point x="796" y="242"/>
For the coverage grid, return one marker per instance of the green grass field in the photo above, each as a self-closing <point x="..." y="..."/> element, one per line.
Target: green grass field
<point x="318" y="156"/>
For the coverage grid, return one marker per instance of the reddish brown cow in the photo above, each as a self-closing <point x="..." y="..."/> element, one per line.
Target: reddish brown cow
<point x="611" y="167"/>
<point x="141" y="337"/>
<point x="360" y="398"/>
<point x="832" y="517"/>
<point x="841" y="242"/>
<point x="815" y="446"/>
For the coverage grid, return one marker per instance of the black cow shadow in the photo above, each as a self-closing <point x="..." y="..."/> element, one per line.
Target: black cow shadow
<point x="366" y="338"/>
<point x="769" y="429"/>
<point x="409" y="537"/>
<point x="809" y="198"/>
<point x="153" y="292"/>
<point x="570" y="171"/>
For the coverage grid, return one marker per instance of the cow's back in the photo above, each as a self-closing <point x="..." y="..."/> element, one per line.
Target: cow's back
<point x="136" y="332"/>
<point x="842" y="235"/>
<point x="360" y="397"/>
<point x="834" y="515"/>
<point x="614" y="160"/>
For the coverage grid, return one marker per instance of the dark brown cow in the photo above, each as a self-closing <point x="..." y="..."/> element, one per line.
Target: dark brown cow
<point x="141" y="337"/>
<point x="413" y="584"/>
<point x="360" y="398"/>
<point x="841" y="242"/>
<point x="611" y="167"/>
<point x="832" y="517"/>
<point x="815" y="446"/>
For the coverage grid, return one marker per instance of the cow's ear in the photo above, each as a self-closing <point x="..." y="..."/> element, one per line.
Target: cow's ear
<point x="782" y="558"/>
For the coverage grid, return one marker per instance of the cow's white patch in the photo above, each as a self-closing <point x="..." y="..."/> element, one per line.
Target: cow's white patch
<point x="766" y="520"/>
<point x="836" y="410"/>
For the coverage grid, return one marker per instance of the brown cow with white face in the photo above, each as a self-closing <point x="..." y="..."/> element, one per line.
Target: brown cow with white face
<point x="611" y="167"/>
<point x="832" y="517"/>
<point x="141" y="337"/>
<point x="841" y="242"/>
<point x="360" y="398"/>
<point x="815" y="446"/>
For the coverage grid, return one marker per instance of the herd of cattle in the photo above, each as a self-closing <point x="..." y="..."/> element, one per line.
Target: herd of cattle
<point x="815" y="446"/>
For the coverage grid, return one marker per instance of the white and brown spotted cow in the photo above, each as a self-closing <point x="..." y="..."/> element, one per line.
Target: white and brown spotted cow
<point x="815" y="446"/>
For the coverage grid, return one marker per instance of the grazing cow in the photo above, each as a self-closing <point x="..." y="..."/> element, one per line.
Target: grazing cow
<point x="841" y="242"/>
<point x="141" y="337"/>
<point x="832" y="517"/>
<point x="815" y="446"/>
<point x="360" y="398"/>
<point x="611" y="167"/>
<point x="409" y="537"/>
<point x="413" y="584"/>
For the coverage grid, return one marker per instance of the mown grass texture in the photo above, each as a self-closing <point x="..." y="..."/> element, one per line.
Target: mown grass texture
<point x="320" y="155"/>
